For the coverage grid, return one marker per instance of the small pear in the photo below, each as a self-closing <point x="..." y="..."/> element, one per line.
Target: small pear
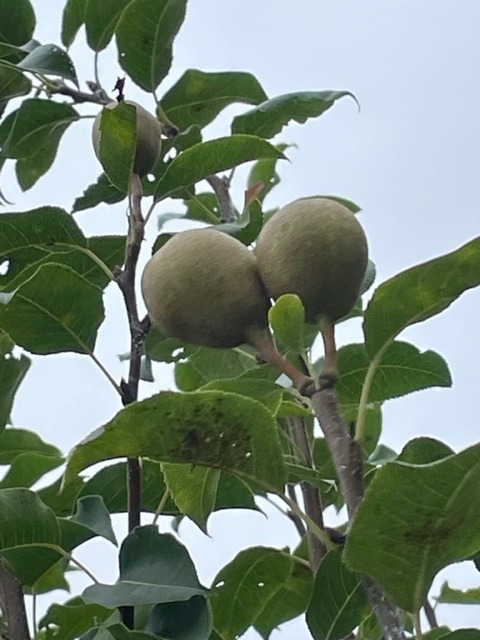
<point x="148" y="138"/>
<point x="203" y="287"/>
<point x="316" y="249"/>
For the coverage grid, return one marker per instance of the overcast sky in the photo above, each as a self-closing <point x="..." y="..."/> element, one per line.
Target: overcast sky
<point x="409" y="158"/>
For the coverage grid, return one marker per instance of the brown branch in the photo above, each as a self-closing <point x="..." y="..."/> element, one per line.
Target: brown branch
<point x="311" y="495"/>
<point x="12" y="604"/>
<point x="97" y="96"/>
<point x="221" y="186"/>
<point x="430" y="614"/>
<point x="347" y="458"/>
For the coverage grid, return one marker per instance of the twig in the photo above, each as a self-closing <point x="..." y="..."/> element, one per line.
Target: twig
<point x="430" y="615"/>
<point x="311" y="494"/>
<point x="12" y="604"/>
<point x="297" y="521"/>
<point x="96" y="97"/>
<point x="347" y="458"/>
<point x="221" y="186"/>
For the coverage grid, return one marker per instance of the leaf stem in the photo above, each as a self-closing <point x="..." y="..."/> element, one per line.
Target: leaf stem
<point x="105" y="371"/>
<point x="161" y="505"/>
<point x="360" y="425"/>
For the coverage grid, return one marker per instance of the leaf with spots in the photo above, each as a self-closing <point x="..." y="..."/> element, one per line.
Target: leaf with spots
<point x="211" y="428"/>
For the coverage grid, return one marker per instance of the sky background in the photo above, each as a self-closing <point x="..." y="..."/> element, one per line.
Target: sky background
<point x="410" y="158"/>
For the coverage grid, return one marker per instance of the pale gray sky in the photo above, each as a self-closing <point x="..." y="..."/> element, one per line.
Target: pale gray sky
<point x="410" y="158"/>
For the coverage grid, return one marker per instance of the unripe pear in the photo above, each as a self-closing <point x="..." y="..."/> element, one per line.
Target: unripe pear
<point x="203" y="287"/>
<point x="316" y="249"/>
<point x="148" y="138"/>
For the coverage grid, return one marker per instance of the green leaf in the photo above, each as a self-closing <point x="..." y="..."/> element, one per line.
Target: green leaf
<point x="92" y="513"/>
<point x="211" y="428"/>
<point x="247" y="226"/>
<point x="73" y="17"/>
<point x="409" y="522"/>
<point x="118" y="128"/>
<point x="203" y="207"/>
<point x="56" y="310"/>
<point x="261" y="587"/>
<point x="287" y="318"/>
<point x="109" y="483"/>
<point x="190" y="620"/>
<point x="198" y="96"/>
<point x="13" y="84"/>
<point x="117" y="632"/>
<point x="403" y="369"/>
<point x="183" y="140"/>
<point x="72" y="618"/>
<point x="101" y="18"/>
<point x="265" y="391"/>
<point x="109" y="249"/>
<point x="204" y="159"/>
<point x="50" y="60"/>
<point x="271" y="116"/>
<point x="456" y="596"/>
<point x="339" y="602"/>
<point x="424" y="291"/>
<point x="54" y="578"/>
<point x="24" y="519"/>
<point x="62" y="503"/>
<point x="27" y="468"/>
<point x="154" y="568"/>
<point x="145" y="33"/>
<point x="212" y="364"/>
<point x="101" y="191"/>
<point x="424" y="451"/>
<point x="162" y="349"/>
<point x="14" y="442"/>
<point x="264" y="170"/>
<point x="12" y="372"/>
<point x="198" y="491"/>
<point x="17" y="21"/>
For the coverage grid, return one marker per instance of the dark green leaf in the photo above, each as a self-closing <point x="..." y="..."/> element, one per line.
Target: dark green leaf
<point x="203" y="207"/>
<point x="419" y="293"/>
<point x="72" y="618"/>
<point x="154" y="568"/>
<point x="145" y="34"/>
<point x="264" y="171"/>
<point x="415" y="520"/>
<point x="403" y="369"/>
<point x="100" y="21"/>
<point x="424" y="451"/>
<point x="456" y="596"/>
<point x="212" y="364"/>
<point x="183" y="140"/>
<point x="198" y="96"/>
<point x="190" y="620"/>
<point x="118" y="127"/>
<point x="261" y="587"/>
<point x="17" y="21"/>
<point x="287" y="318"/>
<point x="369" y="277"/>
<point x="55" y="310"/>
<point x="265" y="391"/>
<point x="92" y="513"/>
<point x="25" y="520"/>
<point x="110" y="484"/>
<point x="14" y="442"/>
<point x="72" y="19"/>
<point x="62" y="503"/>
<point x="53" y="578"/>
<point x="50" y="60"/>
<point x="163" y="349"/>
<point x="339" y="602"/>
<point x="271" y="116"/>
<point x="13" y="83"/>
<point x="27" y="468"/>
<point x="247" y="227"/>
<point x="101" y="191"/>
<point x="211" y="428"/>
<point x="213" y="156"/>
<point x="12" y="372"/>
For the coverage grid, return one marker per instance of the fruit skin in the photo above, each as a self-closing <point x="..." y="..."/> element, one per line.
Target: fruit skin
<point x="316" y="249"/>
<point x="203" y="287"/>
<point x="149" y="141"/>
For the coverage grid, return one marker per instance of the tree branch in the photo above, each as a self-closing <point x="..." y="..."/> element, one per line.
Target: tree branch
<point x="221" y="186"/>
<point x="347" y="458"/>
<point x="12" y="604"/>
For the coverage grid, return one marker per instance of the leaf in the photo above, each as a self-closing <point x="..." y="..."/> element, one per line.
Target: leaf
<point x="27" y="468"/>
<point x="339" y="602"/>
<point x="54" y="578"/>
<point x="12" y="372"/>
<point x="145" y="34"/>
<point x="424" y="451"/>
<point x="287" y="318"/>
<point x="211" y="428"/>
<point x="73" y="17"/>
<point x="56" y="310"/>
<point x="73" y="618"/>
<point x="92" y="513"/>
<point x="419" y="293"/>
<point x="101" y="191"/>
<point x="17" y="21"/>
<point x="101" y="18"/>
<point x="13" y="84"/>
<point x="261" y="587"/>
<point x="271" y="116"/>
<point x="62" y="504"/>
<point x="109" y="483"/>
<point x="212" y="364"/>
<point x="264" y="172"/>
<point x="456" y="596"/>
<point x="50" y="60"/>
<point x="198" y="491"/>
<point x="198" y="96"/>
<point x="14" y="442"/>
<point x="190" y="620"/>
<point x="154" y="568"/>
<point x="403" y="369"/>
<point x="204" y="159"/>
<point x="117" y="143"/>
<point x="265" y="391"/>
<point x="414" y="521"/>
<point x="247" y="225"/>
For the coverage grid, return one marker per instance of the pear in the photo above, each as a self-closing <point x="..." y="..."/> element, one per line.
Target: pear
<point x="148" y="138"/>
<point x="315" y="248"/>
<point x="203" y="287"/>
